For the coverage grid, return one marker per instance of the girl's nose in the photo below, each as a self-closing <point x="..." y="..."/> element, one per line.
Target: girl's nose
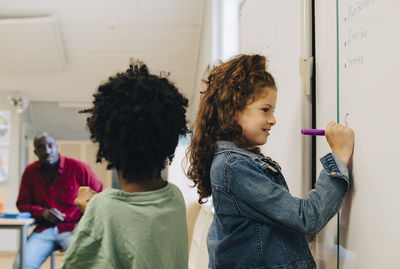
<point x="272" y="120"/>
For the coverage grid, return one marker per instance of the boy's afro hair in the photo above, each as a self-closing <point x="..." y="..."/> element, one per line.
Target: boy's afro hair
<point x="137" y="118"/>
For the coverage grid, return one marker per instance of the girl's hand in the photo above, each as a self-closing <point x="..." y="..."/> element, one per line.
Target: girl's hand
<point x="341" y="140"/>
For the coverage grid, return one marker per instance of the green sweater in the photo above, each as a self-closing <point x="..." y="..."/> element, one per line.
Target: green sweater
<point x="131" y="230"/>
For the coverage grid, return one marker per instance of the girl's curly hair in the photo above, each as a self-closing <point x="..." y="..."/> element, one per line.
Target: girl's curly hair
<point x="229" y="88"/>
<point x="137" y="118"/>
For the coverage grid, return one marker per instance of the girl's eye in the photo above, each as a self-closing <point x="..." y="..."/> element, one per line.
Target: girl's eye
<point x="265" y="109"/>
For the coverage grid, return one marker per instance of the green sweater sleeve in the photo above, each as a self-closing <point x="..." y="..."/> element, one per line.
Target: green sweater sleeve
<point x="84" y="246"/>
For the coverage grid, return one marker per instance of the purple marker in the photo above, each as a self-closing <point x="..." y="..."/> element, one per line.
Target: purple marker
<point x="312" y="132"/>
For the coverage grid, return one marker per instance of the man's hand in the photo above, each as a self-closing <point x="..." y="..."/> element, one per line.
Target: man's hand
<point x="84" y="195"/>
<point x="53" y="215"/>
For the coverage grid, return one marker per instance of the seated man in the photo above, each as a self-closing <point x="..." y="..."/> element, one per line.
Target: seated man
<point x="48" y="189"/>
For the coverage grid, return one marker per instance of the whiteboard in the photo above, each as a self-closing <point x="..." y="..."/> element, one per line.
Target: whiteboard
<point x="369" y="92"/>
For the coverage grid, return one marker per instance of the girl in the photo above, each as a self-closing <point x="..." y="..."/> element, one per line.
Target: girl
<point x="257" y="223"/>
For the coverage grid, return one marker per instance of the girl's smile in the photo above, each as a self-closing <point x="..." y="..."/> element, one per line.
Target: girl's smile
<point x="266" y="131"/>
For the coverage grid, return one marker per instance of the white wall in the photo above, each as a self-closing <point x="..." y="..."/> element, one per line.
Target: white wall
<point x="272" y="28"/>
<point x="177" y="169"/>
<point x="204" y="56"/>
<point x="9" y="238"/>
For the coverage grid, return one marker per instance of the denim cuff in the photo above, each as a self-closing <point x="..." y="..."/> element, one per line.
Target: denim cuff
<point x="335" y="167"/>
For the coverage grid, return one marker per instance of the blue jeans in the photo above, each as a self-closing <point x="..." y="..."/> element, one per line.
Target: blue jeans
<point x="40" y="245"/>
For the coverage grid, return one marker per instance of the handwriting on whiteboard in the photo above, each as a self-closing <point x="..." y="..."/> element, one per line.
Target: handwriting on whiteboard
<point x="354" y="60"/>
<point x="357" y="8"/>
<point x="355" y="34"/>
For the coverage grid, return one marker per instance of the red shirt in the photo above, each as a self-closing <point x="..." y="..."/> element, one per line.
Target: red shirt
<point x="38" y="193"/>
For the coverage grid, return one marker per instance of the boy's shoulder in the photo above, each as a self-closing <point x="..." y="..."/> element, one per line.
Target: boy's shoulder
<point x="177" y="195"/>
<point x="109" y="194"/>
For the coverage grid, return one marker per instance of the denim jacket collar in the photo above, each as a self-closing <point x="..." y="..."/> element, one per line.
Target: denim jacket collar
<point x="229" y="146"/>
<point x="224" y="146"/>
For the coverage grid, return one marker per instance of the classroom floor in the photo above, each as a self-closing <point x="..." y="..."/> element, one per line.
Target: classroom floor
<point x="7" y="259"/>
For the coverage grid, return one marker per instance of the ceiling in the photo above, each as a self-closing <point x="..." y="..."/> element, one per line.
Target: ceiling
<point x="99" y="37"/>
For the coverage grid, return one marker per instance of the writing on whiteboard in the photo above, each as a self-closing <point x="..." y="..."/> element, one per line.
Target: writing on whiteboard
<point x="358" y="7"/>
<point x="355" y="36"/>
<point x="354" y="60"/>
<point x="345" y="119"/>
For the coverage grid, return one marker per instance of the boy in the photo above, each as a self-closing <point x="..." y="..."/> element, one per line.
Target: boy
<point x="137" y="118"/>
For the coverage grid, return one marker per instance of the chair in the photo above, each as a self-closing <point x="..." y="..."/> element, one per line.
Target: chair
<point x="53" y="258"/>
<point x="53" y="253"/>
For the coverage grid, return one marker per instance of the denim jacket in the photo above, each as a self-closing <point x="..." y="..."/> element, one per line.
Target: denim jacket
<point x="257" y="223"/>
